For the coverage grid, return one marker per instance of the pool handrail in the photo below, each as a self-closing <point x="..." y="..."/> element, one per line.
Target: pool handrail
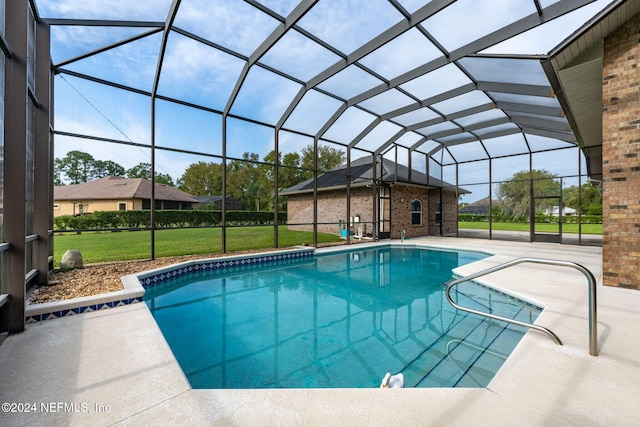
<point x="593" y="334"/>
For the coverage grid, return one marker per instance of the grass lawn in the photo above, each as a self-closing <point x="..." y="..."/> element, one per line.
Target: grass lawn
<point x="516" y="226"/>
<point x="131" y="245"/>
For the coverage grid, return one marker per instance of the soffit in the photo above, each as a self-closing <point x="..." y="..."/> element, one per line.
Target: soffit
<point x="577" y="66"/>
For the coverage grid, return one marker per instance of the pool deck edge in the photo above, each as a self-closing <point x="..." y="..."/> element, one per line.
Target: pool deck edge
<point x="101" y="358"/>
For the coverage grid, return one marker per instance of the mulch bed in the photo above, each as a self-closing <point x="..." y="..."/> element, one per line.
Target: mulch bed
<point x="97" y="279"/>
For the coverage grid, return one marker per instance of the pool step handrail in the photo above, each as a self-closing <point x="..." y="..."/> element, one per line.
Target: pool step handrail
<point x="593" y="334"/>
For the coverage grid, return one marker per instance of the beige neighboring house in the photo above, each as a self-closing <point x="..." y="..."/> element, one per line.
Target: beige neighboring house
<point x="116" y="194"/>
<point x="405" y="200"/>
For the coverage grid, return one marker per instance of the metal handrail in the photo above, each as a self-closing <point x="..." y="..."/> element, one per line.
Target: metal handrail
<point x="593" y="333"/>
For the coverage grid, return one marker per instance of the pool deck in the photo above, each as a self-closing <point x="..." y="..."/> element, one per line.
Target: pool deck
<point x="114" y="367"/>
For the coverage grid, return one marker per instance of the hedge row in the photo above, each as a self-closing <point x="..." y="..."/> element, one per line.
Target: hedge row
<point x="117" y="220"/>
<point x="586" y="219"/>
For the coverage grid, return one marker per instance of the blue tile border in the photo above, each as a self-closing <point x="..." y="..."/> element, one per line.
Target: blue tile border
<point x="153" y="279"/>
<point x="81" y="309"/>
<point x="135" y="285"/>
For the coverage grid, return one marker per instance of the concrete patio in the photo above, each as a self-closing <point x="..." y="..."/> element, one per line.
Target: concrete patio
<point x="114" y="367"/>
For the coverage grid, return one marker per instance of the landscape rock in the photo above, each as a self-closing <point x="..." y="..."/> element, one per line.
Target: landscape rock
<point x="71" y="259"/>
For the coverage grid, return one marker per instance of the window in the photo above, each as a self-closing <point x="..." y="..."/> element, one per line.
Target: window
<point x="438" y="212"/>
<point x="80" y="208"/>
<point x="122" y="206"/>
<point x="416" y="212"/>
<point x="56" y="206"/>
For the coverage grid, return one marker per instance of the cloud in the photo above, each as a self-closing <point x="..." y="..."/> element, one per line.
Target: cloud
<point x="230" y="23"/>
<point x="144" y="10"/>
<point x="299" y="56"/>
<point x="312" y="112"/>
<point x="467" y="20"/>
<point x="402" y="54"/>
<point x="542" y="39"/>
<point x="349" y="125"/>
<point x="133" y="64"/>
<point x="187" y="61"/>
<point x="350" y="82"/>
<point x="379" y="135"/>
<point x="264" y="96"/>
<point x="348" y="24"/>
<point x="387" y="101"/>
<point x="282" y="7"/>
<point x="197" y="73"/>
<point x="69" y="42"/>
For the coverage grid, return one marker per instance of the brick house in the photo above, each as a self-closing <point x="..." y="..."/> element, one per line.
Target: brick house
<point x="620" y="156"/>
<point x="597" y="82"/>
<point x="114" y="193"/>
<point x="402" y="199"/>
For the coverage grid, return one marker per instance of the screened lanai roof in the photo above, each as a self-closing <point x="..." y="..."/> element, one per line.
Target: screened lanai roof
<point x="457" y="80"/>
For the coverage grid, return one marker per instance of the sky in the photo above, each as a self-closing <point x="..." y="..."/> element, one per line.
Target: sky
<point x="196" y="73"/>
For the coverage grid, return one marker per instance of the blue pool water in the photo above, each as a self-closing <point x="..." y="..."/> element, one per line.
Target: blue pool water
<point x="336" y="320"/>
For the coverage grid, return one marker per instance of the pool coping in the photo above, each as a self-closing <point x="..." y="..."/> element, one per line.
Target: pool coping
<point x="155" y="277"/>
<point x="135" y="285"/>
<point x="131" y="294"/>
<point x="540" y="385"/>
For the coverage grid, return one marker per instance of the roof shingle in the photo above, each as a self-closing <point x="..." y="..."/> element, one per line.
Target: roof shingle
<point x="113" y="187"/>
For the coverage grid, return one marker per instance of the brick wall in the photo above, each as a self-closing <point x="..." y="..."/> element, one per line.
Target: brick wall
<point x="449" y="214"/>
<point x="401" y="197"/>
<point x="620" y="154"/>
<point x="332" y="207"/>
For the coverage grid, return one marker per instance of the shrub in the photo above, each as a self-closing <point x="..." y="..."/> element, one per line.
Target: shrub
<point x="131" y="220"/>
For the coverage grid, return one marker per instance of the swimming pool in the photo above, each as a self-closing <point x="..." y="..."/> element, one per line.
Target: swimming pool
<point x="340" y="319"/>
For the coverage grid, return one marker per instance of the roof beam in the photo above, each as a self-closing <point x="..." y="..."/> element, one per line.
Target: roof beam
<point x="486" y="124"/>
<point x="364" y="132"/>
<point x="101" y="23"/>
<point x="457" y="115"/>
<point x="171" y="16"/>
<point x="541" y="122"/>
<point x="429" y="101"/>
<point x="296" y="14"/>
<point x="532" y="109"/>
<point x="504" y="33"/>
<point x="102" y="81"/>
<point x="331" y="121"/>
<point x="108" y="47"/>
<point x="497" y="36"/>
<point x="470" y="111"/>
<point x="445" y="133"/>
<point x="562" y="136"/>
<point x="417" y="17"/>
<point x="520" y="89"/>
<point x="418" y="143"/>
<point x="393" y="32"/>
<point x="389" y="141"/>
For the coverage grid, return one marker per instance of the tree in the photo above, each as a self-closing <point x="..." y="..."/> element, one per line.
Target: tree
<point x="289" y="172"/>
<point x="143" y="170"/>
<point x="202" y="179"/>
<point x="589" y="202"/>
<point x="515" y="195"/>
<point x="243" y="180"/>
<point x="252" y="180"/>
<point x="75" y="166"/>
<point x="328" y="158"/>
<point x="102" y="168"/>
